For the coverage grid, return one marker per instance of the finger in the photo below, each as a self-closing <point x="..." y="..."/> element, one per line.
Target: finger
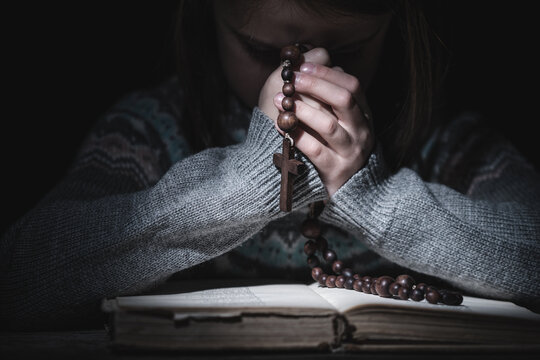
<point x="323" y="124"/>
<point x="312" y="146"/>
<point x="335" y="75"/>
<point x="339" y="98"/>
<point x="316" y="104"/>
<point x="326" y="127"/>
<point x="338" y="76"/>
<point x="318" y="56"/>
<point x="307" y="141"/>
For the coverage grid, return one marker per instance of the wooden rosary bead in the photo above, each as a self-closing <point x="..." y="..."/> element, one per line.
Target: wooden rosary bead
<point x="405" y="281"/>
<point x="402" y="287"/>
<point x="313" y="261"/>
<point x="316" y="273"/>
<point x="421" y="286"/>
<point x="347" y="272"/>
<point x="417" y="295"/>
<point x="367" y="279"/>
<point x="331" y="281"/>
<point x="322" y="279"/>
<point x="337" y="266"/>
<point x="311" y="228"/>
<point x="451" y="298"/>
<point x="366" y="287"/>
<point x="393" y="289"/>
<point x="329" y="256"/>
<point x="287" y="74"/>
<point x="291" y="53"/>
<point x="340" y="281"/>
<point x="310" y="247"/>
<point x="366" y="284"/>
<point x="433" y="296"/>
<point x="287" y="103"/>
<point x="287" y="121"/>
<point x="373" y="287"/>
<point x="288" y="89"/>
<point x="383" y="284"/>
<point x="322" y="244"/>
<point x="404" y="293"/>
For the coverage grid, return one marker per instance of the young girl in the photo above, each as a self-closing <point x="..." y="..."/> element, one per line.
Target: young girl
<point x="179" y="180"/>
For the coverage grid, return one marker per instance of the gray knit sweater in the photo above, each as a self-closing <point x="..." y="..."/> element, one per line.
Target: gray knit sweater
<point x="139" y="206"/>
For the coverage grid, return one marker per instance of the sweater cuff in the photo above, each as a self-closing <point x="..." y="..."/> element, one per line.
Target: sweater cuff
<point x="256" y="164"/>
<point x="361" y="205"/>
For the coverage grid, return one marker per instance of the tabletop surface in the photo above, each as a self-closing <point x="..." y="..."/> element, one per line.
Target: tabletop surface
<point x="95" y="344"/>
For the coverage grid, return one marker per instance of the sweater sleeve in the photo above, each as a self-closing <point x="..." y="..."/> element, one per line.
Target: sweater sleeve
<point x="475" y="223"/>
<point x="74" y="249"/>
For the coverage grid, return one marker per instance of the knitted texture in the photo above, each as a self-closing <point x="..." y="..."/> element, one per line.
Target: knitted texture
<point x="138" y="207"/>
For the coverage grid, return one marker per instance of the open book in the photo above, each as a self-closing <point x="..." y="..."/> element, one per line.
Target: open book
<point x="297" y="316"/>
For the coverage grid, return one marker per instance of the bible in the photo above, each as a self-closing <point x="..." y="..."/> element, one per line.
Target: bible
<point x="299" y="316"/>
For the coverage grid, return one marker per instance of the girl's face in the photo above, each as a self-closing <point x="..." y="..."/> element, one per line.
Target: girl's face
<point x="251" y="34"/>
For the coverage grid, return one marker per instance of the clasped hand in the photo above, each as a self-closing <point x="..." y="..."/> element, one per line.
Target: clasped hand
<point x="335" y="129"/>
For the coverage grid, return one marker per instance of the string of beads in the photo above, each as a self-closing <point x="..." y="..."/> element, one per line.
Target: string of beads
<point x="290" y="56"/>
<point x="337" y="275"/>
<point x="287" y="122"/>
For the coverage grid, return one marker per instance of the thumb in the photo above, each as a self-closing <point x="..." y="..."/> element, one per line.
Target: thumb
<point x="271" y="87"/>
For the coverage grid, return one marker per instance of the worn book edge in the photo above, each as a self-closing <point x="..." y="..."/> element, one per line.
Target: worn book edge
<point x="333" y="308"/>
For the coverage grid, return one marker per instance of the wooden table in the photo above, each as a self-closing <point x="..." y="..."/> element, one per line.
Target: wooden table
<point x="94" y="344"/>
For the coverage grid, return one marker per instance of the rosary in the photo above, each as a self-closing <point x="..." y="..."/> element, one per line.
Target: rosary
<point x="287" y="122"/>
<point x="335" y="275"/>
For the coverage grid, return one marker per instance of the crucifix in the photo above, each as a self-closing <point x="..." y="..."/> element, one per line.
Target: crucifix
<point x="290" y="168"/>
<point x="287" y="122"/>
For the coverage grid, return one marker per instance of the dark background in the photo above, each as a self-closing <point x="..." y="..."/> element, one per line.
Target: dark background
<point x="66" y="64"/>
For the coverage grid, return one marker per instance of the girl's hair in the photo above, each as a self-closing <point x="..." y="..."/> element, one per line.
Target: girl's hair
<point x="404" y="96"/>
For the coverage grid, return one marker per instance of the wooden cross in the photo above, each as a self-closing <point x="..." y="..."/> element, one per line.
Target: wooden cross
<point x="290" y="168"/>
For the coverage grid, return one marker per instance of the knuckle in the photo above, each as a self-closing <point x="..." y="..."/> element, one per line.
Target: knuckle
<point x="355" y="85"/>
<point x="366" y="138"/>
<point x="361" y="141"/>
<point x="313" y="150"/>
<point x="345" y="99"/>
<point x="365" y="143"/>
<point x="331" y="127"/>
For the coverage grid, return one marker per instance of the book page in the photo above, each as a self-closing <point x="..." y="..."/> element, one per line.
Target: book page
<point x="295" y="296"/>
<point x="347" y="300"/>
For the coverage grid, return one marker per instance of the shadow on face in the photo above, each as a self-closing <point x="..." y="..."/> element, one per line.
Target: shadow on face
<point x="250" y="35"/>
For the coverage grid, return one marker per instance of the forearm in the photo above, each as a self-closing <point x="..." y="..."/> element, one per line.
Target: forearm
<point x="69" y="254"/>
<point x="486" y="247"/>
